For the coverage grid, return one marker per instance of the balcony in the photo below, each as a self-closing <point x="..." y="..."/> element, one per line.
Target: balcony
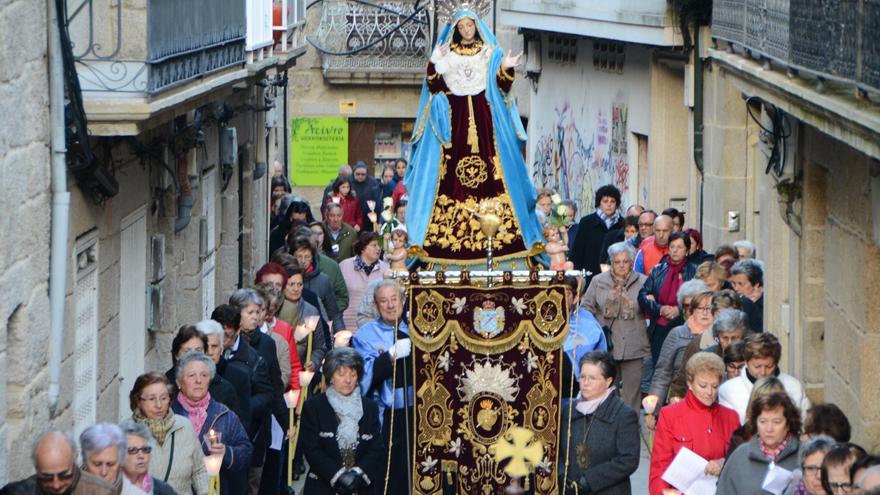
<point x="647" y="22"/>
<point x="363" y="45"/>
<point x="808" y="37"/>
<point x="288" y="28"/>
<point x="136" y="58"/>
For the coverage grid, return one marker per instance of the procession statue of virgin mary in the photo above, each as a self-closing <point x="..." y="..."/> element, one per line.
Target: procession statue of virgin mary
<point x="466" y="151"/>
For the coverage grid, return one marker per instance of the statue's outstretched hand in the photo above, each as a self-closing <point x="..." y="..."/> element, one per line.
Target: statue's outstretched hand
<point x="440" y="51"/>
<point x="511" y="61"/>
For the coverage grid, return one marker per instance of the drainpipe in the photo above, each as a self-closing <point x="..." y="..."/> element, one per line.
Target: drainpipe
<point x="698" y="118"/>
<point x="60" y="207"/>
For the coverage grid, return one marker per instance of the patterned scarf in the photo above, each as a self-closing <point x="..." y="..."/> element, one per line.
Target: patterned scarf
<point x="349" y="410"/>
<point x="609" y="221"/>
<point x="773" y="454"/>
<point x="147" y="484"/>
<point x="359" y="264"/>
<point x="158" y="427"/>
<point x="196" y="411"/>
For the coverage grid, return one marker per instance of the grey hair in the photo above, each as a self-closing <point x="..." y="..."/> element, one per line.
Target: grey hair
<point x="572" y="204"/>
<point x="191" y="357"/>
<point x="71" y="442"/>
<point x="819" y="443"/>
<point x="690" y="289"/>
<point x="210" y="327"/>
<point x="730" y="320"/>
<point x="244" y="297"/>
<point x="136" y="429"/>
<point x="381" y="284"/>
<point x="99" y="437"/>
<point x="621" y="247"/>
<point x="747" y="245"/>
<point x="752" y="269"/>
<point x="339" y="357"/>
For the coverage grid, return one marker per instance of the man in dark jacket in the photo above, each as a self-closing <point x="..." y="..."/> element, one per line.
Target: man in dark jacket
<point x="592" y="229"/>
<point x="366" y="188"/>
<point x="339" y="235"/>
<point x="57" y="472"/>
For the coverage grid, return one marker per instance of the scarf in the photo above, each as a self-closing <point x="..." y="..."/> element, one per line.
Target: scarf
<point x="349" y="410"/>
<point x="773" y="454"/>
<point x="158" y="427"/>
<point x="147" y="484"/>
<point x="609" y="221"/>
<point x="359" y="264"/>
<point x="618" y="304"/>
<point x="669" y="288"/>
<point x="589" y="406"/>
<point x="196" y="411"/>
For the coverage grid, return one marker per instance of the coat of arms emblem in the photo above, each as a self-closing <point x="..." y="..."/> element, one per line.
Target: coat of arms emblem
<point x="488" y="320"/>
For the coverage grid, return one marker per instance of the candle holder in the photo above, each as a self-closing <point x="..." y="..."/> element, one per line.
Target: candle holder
<point x="371" y="204"/>
<point x="291" y="399"/>
<point x="213" y="463"/>
<point x="213" y="437"/>
<point x="649" y="403"/>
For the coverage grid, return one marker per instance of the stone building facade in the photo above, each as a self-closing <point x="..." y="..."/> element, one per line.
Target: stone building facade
<point x="143" y="261"/>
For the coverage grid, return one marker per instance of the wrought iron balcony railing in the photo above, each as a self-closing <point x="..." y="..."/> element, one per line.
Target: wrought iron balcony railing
<point x="289" y="25"/>
<point x="382" y="42"/>
<point x="829" y="39"/>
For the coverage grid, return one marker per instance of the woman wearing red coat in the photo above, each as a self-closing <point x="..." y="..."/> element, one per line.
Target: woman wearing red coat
<point x="351" y="207"/>
<point x="697" y="422"/>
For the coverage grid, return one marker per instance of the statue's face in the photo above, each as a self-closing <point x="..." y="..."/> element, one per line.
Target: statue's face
<point x="467" y="29"/>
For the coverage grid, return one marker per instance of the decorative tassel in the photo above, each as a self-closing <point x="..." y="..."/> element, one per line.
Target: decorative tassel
<point x="472" y="139"/>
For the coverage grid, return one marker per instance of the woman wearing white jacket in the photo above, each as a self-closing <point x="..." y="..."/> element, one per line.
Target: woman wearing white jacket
<point x="762" y="352"/>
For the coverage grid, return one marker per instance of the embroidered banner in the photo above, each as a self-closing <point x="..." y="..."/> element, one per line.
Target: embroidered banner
<point x="487" y="377"/>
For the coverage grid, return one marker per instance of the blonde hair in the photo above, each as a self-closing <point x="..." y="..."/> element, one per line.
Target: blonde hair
<point x="704" y="362"/>
<point x="710" y="268"/>
<point x="763" y="388"/>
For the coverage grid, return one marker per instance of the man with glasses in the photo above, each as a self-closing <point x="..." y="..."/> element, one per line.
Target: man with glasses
<point x="54" y="457"/>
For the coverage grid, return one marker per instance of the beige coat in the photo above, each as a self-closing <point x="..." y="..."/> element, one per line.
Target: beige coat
<point x="628" y="330"/>
<point x="187" y="473"/>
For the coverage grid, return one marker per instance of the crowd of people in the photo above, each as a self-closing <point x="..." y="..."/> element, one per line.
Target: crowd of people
<point x="664" y="333"/>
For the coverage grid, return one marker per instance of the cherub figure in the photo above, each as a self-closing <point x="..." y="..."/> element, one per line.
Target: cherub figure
<point x="396" y="252"/>
<point x="556" y="249"/>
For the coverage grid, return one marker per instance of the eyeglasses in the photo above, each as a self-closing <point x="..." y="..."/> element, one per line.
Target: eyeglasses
<point x="840" y="486"/>
<point x="646" y="224"/>
<point x="812" y="469"/>
<point x="146" y="449"/>
<point x="703" y="309"/>
<point x="49" y="477"/>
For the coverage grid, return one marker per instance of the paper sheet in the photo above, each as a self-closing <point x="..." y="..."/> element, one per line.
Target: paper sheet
<point x="277" y="435"/>
<point x="687" y="474"/>
<point x="777" y="479"/>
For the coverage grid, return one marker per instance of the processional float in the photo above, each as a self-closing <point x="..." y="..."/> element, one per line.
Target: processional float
<point x="486" y="323"/>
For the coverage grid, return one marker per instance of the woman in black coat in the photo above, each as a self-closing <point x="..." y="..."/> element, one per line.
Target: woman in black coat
<point x="593" y="228"/>
<point x="340" y="434"/>
<point x="599" y="446"/>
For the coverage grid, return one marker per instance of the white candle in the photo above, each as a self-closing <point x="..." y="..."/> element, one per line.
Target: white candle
<point x="342" y="338"/>
<point x="291" y="398"/>
<point x="650" y="403"/>
<point x="305" y="378"/>
<point x="311" y="322"/>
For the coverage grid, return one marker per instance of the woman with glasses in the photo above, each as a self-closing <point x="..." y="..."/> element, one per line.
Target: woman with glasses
<point x="734" y="361"/>
<point x="811" y="455"/>
<point x="697" y="422"/>
<point x="695" y="301"/>
<point x="599" y="448"/>
<point x="835" y="468"/>
<point x="135" y="466"/>
<point x="219" y="429"/>
<point x="177" y="457"/>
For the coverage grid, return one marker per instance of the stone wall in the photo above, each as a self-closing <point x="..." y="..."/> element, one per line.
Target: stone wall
<point x="24" y="246"/>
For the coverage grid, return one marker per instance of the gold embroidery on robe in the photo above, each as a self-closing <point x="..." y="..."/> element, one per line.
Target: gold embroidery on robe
<point x="454" y="227"/>
<point x="471" y="171"/>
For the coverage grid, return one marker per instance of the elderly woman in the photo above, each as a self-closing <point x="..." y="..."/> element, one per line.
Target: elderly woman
<point x="778" y="422"/>
<point x="698" y="422"/>
<point x="695" y="299"/>
<point x="658" y="297"/>
<point x="351" y="458"/>
<point x="358" y="271"/>
<point x="613" y="298"/>
<point x="729" y="326"/>
<point x="385" y="345"/>
<point x="135" y="467"/>
<point x="762" y="354"/>
<point x="103" y="450"/>
<point x="599" y="444"/>
<point x="191" y="339"/>
<point x="177" y="457"/>
<point x="314" y="279"/>
<point x="295" y="312"/>
<point x="219" y="428"/>
<point x="810" y="459"/>
<point x="747" y="279"/>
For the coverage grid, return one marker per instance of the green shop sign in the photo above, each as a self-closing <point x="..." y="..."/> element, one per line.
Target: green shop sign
<point x="318" y="146"/>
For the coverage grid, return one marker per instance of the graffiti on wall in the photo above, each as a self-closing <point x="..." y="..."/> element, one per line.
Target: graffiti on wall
<point x="573" y="164"/>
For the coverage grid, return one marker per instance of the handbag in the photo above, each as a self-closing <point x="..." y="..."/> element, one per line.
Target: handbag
<point x="606" y="329"/>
